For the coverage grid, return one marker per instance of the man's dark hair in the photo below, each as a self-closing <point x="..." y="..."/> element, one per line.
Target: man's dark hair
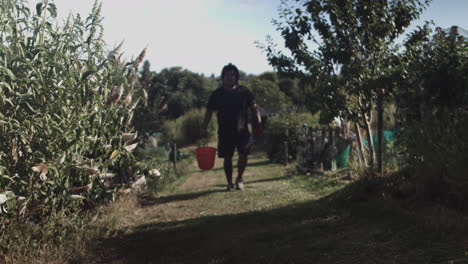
<point x="230" y="67"/>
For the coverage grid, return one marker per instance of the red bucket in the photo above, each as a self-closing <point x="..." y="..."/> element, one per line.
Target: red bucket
<point x="205" y="157"/>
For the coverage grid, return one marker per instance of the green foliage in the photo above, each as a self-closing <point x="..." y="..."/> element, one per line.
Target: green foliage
<point x="62" y="112"/>
<point x="182" y="90"/>
<point x="432" y="100"/>
<point x="268" y="94"/>
<point x="186" y="129"/>
<point x="343" y="49"/>
<point x="286" y="127"/>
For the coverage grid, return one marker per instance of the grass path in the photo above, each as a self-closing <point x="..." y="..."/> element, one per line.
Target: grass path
<point x="277" y="219"/>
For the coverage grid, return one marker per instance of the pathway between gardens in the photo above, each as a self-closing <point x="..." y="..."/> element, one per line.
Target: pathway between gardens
<point x="277" y="219"/>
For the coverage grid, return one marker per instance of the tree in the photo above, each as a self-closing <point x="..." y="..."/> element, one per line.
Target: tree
<point x="432" y="102"/>
<point x="267" y="93"/>
<point x="181" y="89"/>
<point x="342" y="48"/>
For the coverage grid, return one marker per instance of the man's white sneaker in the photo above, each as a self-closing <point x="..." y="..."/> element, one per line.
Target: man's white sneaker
<point x="240" y="185"/>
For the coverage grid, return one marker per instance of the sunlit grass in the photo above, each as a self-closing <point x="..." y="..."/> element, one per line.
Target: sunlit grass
<point x="279" y="218"/>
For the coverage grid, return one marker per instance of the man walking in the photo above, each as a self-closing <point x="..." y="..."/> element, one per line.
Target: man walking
<point x="231" y="103"/>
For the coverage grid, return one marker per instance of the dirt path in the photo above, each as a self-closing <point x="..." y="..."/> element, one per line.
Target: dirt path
<point x="275" y="220"/>
<point x="201" y="201"/>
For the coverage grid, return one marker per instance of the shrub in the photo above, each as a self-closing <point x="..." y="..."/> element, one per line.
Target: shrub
<point x="432" y="101"/>
<point x="185" y="130"/>
<point x="286" y="127"/>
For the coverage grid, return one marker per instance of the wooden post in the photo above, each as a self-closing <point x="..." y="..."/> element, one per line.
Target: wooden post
<point x="323" y="138"/>
<point x="286" y="153"/>
<point x="380" y="95"/>
<point x="175" y="156"/>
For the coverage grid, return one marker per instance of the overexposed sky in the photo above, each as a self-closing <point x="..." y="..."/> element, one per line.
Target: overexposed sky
<point x="204" y="35"/>
<point x="198" y="35"/>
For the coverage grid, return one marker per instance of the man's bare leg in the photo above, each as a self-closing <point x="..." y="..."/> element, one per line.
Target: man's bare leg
<point x="228" y="169"/>
<point x="241" y="164"/>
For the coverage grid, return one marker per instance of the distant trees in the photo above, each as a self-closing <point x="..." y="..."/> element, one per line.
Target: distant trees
<point x="175" y="91"/>
<point x="267" y="91"/>
<point x="171" y="93"/>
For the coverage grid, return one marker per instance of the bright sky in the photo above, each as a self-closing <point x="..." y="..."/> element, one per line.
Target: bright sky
<point x="204" y="35"/>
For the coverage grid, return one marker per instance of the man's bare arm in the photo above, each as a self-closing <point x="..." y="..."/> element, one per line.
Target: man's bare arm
<point x="206" y="121"/>
<point x="257" y="113"/>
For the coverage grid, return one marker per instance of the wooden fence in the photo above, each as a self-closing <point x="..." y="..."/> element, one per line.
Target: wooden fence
<point x="317" y="148"/>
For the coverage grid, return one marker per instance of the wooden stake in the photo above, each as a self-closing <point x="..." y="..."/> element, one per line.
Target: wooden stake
<point x="286" y="153"/>
<point x="175" y="156"/>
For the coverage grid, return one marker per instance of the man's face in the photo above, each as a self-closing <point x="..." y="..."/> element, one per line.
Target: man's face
<point x="229" y="78"/>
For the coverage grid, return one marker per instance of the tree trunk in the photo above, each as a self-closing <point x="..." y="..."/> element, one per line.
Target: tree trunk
<point x="380" y="132"/>
<point x="369" y="139"/>
<point x="359" y="140"/>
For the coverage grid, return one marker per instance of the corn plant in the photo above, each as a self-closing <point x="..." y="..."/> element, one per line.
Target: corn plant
<point x="66" y="105"/>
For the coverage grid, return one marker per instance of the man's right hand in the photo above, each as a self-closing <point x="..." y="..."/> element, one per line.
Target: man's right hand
<point x="259" y="130"/>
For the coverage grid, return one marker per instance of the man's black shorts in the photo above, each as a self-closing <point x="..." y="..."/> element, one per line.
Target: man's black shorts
<point x="242" y="141"/>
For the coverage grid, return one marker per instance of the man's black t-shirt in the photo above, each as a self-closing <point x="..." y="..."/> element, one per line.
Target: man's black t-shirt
<point x="232" y="109"/>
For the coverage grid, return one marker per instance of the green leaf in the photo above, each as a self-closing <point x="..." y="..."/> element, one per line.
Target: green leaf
<point x="52" y="10"/>
<point x="30" y="107"/>
<point x="114" y="154"/>
<point x="39" y="9"/>
<point x="9" y="73"/>
<point x="86" y="74"/>
<point x="8" y="178"/>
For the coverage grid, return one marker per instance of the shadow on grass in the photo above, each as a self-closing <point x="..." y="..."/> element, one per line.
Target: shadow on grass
<point x="148" y="201"/>
<point x="329" y="230"/>
<point x="258" y="163"/>
<point x="247" y="182"/>
<point x="253" y="164"/>
<point x="211" y="170"/>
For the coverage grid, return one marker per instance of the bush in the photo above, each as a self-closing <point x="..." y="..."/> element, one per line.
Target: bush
<point x="286" y="127"/>
<point x="432" y="101"/>
<point x="185" y="130"/>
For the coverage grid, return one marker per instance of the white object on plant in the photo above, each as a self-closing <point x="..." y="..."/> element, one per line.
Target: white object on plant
<point x="41" y="168"/>
<point x="129" y="148"/>
<point x="92" y="170"/>
<point x="129" y="136"/>
<point x="62" y="158"/>
<point x="75" y="197"/>
<point x="140" y="184"/>
<point x="106" y="175"/>
<point x="155" y="173"/>
<point x="20" y="200"/>
<point x="3" y="198"/>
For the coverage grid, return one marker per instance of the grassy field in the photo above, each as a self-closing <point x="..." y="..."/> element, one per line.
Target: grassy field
<point x="279" y="218"/>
